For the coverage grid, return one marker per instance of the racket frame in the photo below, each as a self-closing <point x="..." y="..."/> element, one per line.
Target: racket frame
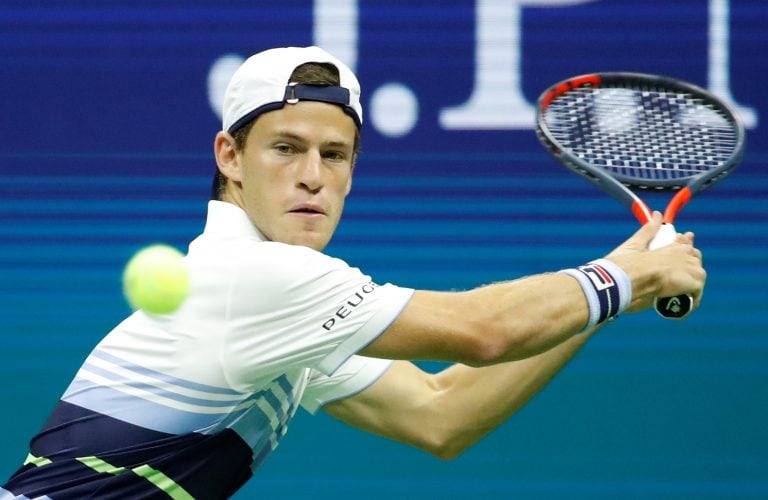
<point x="621" y="187"/>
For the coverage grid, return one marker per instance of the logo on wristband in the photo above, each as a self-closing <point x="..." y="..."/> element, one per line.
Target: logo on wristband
<point x="599" y="277"/>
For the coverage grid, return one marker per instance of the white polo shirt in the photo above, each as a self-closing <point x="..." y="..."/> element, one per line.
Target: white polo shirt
<point x="266" y="327"/>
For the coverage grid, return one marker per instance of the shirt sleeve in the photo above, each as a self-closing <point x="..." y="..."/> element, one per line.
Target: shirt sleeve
<point x="291" y="307"/>
<point x="355" y="375"/>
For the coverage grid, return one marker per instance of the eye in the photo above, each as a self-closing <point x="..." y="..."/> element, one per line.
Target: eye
<point x="334" y="155"/>
<point x="283" y="148"/>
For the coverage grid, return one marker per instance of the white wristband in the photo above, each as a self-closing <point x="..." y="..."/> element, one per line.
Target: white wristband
<point x="606" y="287"/>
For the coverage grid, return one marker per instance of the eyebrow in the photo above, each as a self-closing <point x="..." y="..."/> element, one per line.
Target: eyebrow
<point x="285" y="134"/>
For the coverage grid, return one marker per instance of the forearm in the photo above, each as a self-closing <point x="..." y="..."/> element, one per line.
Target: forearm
<point x="488" y="325"/>
<point x="532" y="314"/>
<point x="472" y="402"/>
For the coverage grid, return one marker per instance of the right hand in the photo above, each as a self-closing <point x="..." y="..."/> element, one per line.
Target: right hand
<point x="669" y="271"/>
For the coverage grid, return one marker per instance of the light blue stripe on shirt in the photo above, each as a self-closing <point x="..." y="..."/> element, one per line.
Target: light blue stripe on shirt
<point x="160" y="391"/>
<point x="246" y="417"/>
<point x="157" y="401"/>
<point x="150" y="414"/>
<point x="141" y="370"/>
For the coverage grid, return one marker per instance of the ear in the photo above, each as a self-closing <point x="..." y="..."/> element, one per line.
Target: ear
<point x="227" y="158"/>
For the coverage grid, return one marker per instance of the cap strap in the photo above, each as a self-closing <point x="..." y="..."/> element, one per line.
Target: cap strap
<point x="295" y="92"/>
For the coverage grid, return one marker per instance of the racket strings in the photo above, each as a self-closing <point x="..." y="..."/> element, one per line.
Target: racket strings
<point x="642" y="134"/>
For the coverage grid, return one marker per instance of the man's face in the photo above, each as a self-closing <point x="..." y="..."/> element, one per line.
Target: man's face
<point x="295" y="171"/>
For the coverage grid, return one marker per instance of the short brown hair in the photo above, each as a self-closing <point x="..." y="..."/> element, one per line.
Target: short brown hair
<point x="307" y="74"/>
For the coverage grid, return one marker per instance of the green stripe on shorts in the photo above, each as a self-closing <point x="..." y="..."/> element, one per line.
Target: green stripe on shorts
<point x="36" y="461"/>
<point x="157" y="478"/>
<point x="163" y="482"/>
<point x="101" y="466"/>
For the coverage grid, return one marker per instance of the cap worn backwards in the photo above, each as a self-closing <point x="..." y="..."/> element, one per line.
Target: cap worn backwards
<point x="262" y="84"/>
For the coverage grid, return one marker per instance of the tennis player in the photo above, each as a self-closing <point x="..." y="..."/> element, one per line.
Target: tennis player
<point x="190" y="404"/>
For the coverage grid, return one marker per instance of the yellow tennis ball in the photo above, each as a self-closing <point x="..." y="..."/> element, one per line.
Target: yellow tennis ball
<point x="156" y="279"/>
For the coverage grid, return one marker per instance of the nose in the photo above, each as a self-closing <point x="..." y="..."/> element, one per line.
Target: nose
<point x="310" y="171"/>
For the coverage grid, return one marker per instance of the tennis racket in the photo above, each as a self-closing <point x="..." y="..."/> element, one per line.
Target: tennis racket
<point x="632" y="132"/>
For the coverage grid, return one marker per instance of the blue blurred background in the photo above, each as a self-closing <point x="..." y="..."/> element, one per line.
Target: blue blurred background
<point x="108" y="116"/>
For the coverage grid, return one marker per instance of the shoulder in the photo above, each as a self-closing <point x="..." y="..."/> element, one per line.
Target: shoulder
<point x="259" y="274"/>
<point x="280" y="261"/>
<point x="249" y="256"/>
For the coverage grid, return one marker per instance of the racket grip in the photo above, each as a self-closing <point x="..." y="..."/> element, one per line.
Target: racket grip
<point x="670" y="307"/>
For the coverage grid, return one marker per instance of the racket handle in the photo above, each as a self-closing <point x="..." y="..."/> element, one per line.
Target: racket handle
<point x="670" y="307"/>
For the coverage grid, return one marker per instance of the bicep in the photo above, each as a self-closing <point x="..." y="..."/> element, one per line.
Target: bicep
<point x="439" y="326"/>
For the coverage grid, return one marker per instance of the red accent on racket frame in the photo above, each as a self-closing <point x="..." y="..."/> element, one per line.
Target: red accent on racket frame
<point x="586" y="81"/>
<point x="547" y="100"/>
<point x="641" y="211"/>
<point x="579" y="81"/>
<point x="676" y="203"/>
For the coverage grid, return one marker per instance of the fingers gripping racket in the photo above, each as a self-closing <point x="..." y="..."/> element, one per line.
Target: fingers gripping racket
<point x="630" y="132"/>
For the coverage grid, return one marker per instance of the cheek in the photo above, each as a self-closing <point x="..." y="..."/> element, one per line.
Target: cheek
<point x="258" y="190"/>
<point x="257" y="176"/>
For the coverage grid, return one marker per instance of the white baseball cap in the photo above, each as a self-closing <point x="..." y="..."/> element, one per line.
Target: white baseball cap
<point x="262" y="84"/>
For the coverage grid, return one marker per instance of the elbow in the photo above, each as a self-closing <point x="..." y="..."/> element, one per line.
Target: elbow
<point x="448" y="453"/>
<point x="448" y="448"/>
<point x="496" y="342"/>
<point x="490" y="353"/>
<point x="443" y="429"/>
<point x="487" y="345"/>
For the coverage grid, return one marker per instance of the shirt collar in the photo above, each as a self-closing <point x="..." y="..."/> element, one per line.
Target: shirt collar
<point x="226" y="219"/>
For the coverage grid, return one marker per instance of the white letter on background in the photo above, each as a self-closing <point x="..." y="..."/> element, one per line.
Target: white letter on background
<point x="497" y="100"/>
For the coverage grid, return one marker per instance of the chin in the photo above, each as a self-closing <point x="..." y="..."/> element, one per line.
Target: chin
<point x="311" y="236"/>
<point x="313" y="241"/>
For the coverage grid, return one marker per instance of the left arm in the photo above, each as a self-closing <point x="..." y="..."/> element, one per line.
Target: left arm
<point x="447" y="412"/>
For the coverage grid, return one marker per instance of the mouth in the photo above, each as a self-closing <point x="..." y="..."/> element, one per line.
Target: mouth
<point x="307" y="209"/>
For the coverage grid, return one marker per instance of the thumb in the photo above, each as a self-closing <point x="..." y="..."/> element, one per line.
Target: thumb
<point x="643" y="236"/>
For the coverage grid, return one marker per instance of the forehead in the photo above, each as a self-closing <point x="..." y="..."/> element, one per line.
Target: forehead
<point x="311" y="121"/>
